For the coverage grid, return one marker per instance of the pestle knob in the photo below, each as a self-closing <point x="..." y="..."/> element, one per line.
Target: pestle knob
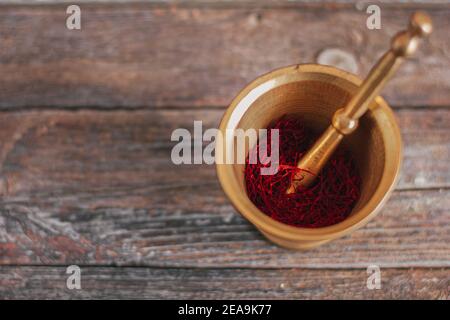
<point x="345" y="120"/>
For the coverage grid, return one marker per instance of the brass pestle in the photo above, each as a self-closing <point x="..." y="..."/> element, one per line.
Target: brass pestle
<point x="345" y="120"/>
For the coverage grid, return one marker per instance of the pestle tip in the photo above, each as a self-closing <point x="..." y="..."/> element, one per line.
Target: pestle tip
<point x="405" y="43"/>
<point x="421" y="24"/>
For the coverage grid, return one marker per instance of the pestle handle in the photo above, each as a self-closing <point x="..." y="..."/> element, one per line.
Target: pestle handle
<point x="403" y="44"/>
<point x="345" y="120"/>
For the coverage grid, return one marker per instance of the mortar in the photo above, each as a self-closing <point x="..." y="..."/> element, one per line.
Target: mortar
<point x="313" y="92"/>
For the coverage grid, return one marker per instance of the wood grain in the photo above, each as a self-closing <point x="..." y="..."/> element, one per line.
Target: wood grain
<point x="240" y="3"/>
<point x="197" y="227"/>
<point x="59" y="152"/>
<point x="142" y="283"/>
<point x="141" y="55"/>
<point x="92" y="187"/>
<point x="97" y="187"/>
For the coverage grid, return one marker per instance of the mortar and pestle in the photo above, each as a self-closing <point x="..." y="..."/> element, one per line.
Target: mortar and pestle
<point x="347" y="111"/>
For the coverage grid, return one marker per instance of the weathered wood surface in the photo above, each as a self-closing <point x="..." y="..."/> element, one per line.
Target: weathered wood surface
<point x="142" y="55"/>
<point x="56" y="152"/>
<point x="143" y="283"/>
<point x="245" y="3"/>
<point x="92" y="187"/>
<point x="97" y="188"/>
<point x="204" y="231"/>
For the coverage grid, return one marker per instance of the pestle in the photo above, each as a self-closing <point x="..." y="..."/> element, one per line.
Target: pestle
<point x="345" y="120"/>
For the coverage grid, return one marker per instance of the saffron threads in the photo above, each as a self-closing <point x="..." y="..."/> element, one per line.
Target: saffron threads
<point x="328" y="201"/>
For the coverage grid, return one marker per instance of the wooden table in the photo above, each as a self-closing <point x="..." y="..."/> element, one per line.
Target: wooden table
<point x="85" y="171"/>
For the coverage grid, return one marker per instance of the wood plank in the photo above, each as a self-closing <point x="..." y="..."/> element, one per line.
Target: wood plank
<point x="196" y="226"/>
<point x="95" y="187"/>
<point x="139" y="55"/>
<point x="426" y="148"/>
<point x="141" y="283"/>
<point x="239" y="3"/>
<point x="60" y="152"/>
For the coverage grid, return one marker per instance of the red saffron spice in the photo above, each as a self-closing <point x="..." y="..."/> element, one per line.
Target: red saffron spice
<point x="328" y="201"/>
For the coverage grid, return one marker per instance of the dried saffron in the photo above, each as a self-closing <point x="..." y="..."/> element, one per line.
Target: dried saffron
<point x="328" y="201"/>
